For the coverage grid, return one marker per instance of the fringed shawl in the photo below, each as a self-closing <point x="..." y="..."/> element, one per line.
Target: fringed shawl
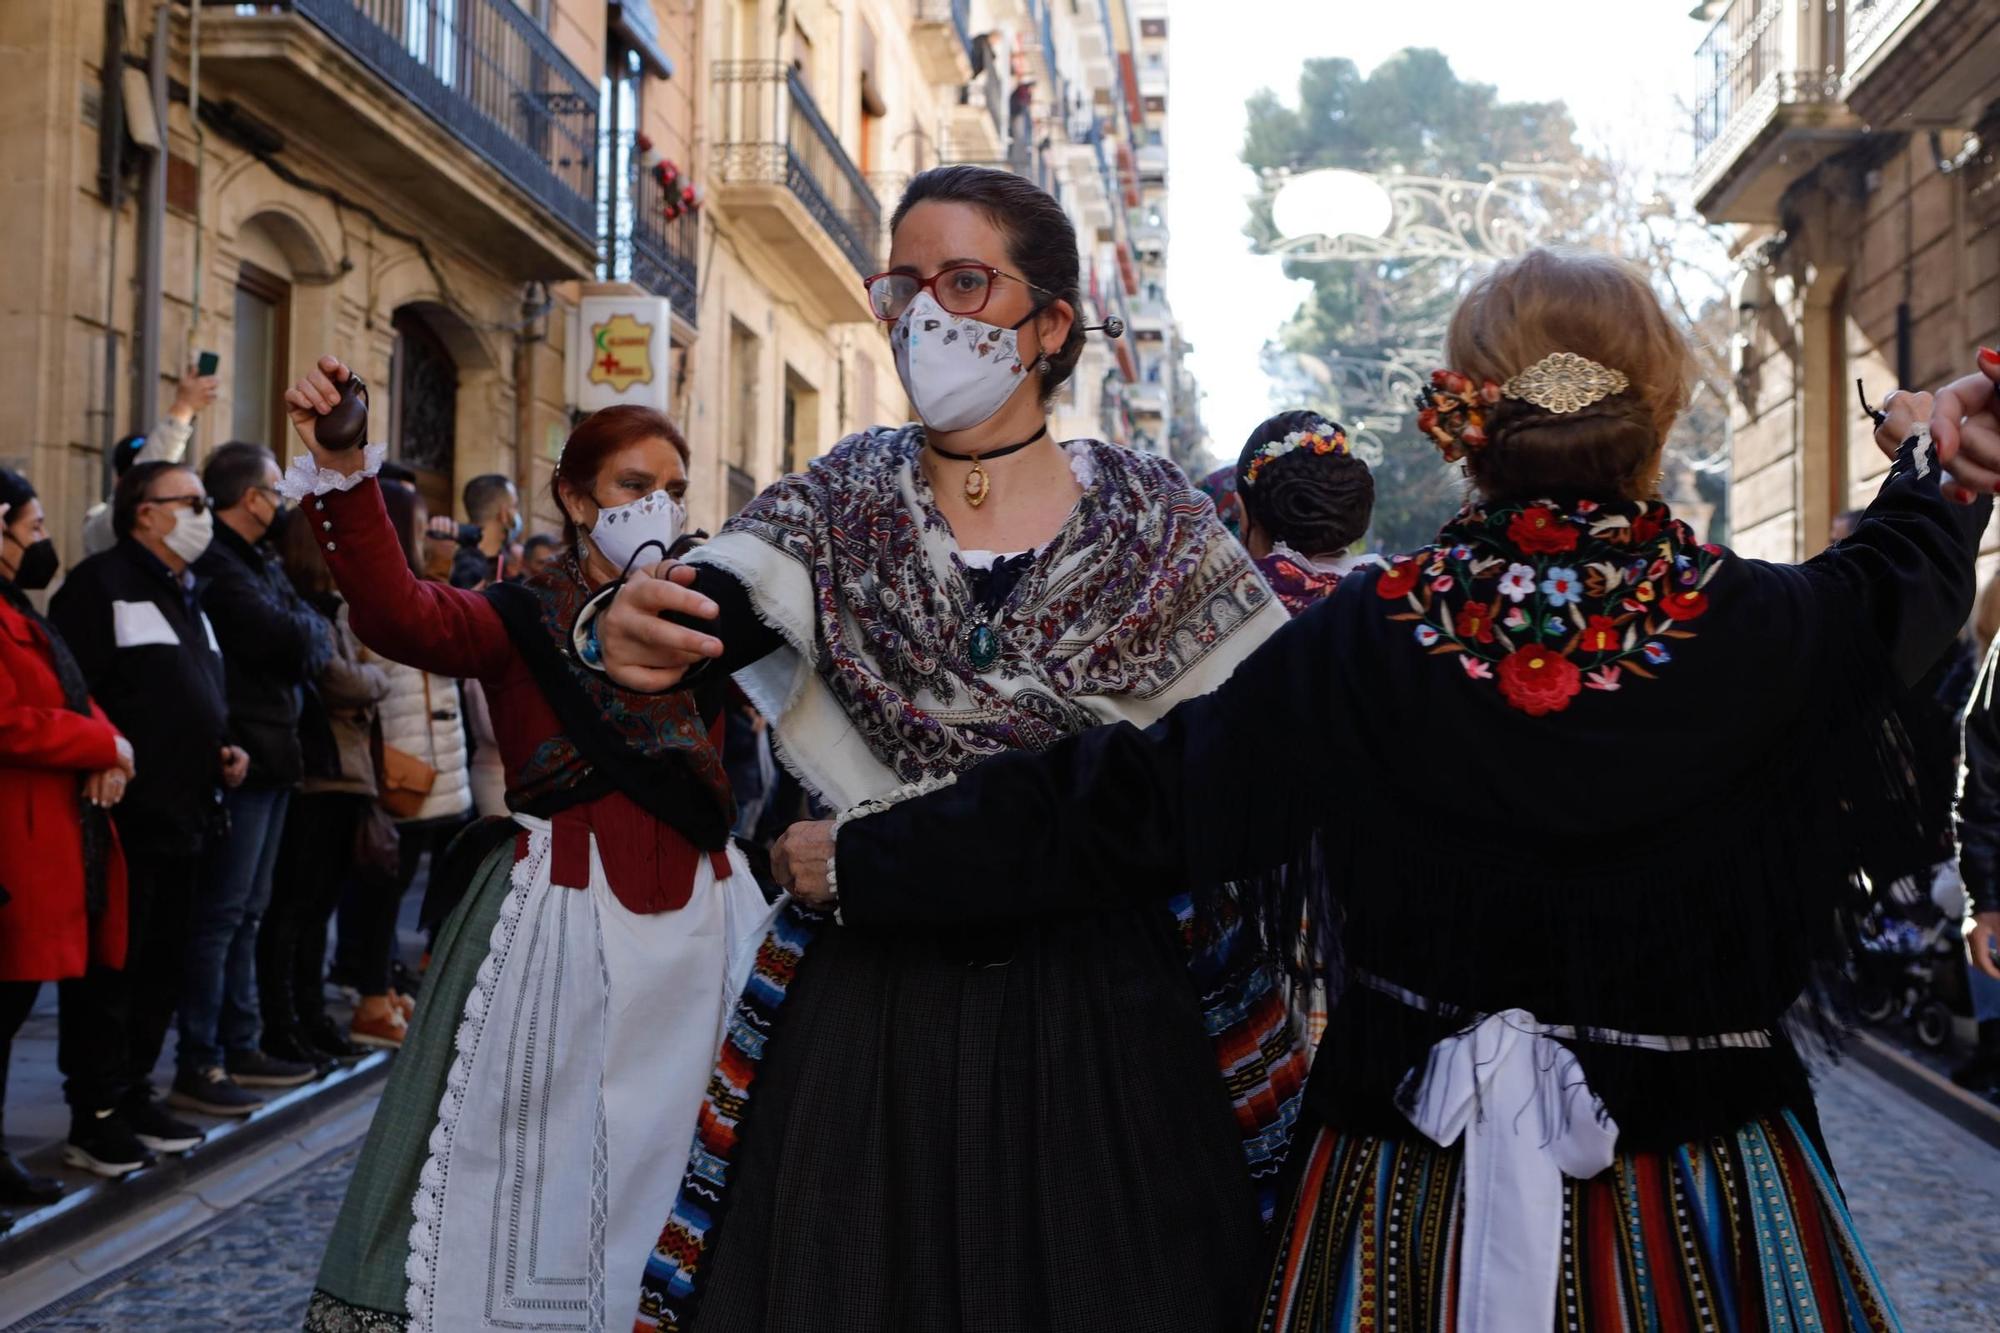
<point x="1140" y="601"/>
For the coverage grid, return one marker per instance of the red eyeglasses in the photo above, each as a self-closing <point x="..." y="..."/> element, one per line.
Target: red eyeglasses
<point x="962" y="289"/>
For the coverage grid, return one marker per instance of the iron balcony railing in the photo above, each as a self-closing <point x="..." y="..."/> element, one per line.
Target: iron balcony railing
<point x="773" y="134"/>
<point x="485" y="72"/>
<point x="639" y="242"/>
<point x="1748" y="70"/>
<point x="1870" y="23"/>
<point x="958" y="13"/>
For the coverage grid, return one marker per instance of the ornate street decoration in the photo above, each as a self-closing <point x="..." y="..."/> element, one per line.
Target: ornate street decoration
<point x="1438" y="218"/>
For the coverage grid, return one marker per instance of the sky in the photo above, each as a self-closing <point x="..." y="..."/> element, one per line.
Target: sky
<point x="1625" y="67"/>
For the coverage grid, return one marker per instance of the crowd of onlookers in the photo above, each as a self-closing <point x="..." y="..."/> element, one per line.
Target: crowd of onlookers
<point x="205" y="780"/>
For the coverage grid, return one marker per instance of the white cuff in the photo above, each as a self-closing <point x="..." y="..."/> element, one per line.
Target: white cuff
<point x="304" y="477"/>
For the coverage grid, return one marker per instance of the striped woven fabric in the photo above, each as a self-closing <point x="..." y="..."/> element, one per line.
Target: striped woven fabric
<point x="1736" y="1234"/>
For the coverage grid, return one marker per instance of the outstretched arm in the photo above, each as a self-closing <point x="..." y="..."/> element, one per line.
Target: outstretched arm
<point x="1116" y="813"/>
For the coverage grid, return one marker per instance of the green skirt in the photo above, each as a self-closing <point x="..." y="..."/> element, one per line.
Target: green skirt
<point x="363" y="1278"/>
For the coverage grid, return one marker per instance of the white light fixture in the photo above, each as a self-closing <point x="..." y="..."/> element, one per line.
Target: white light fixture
<point x="1332" y="202"/>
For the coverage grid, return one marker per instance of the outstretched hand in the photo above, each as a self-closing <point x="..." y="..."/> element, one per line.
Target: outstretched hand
<point x="312" y="398"/>
<point x="1965" y="425"/>
<point x="643" y="652"/>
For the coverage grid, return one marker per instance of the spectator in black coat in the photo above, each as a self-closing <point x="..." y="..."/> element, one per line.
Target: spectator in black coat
<point x="132" y="617"/>
<point x="272" y="644"/>
<point x="494" y="507"/>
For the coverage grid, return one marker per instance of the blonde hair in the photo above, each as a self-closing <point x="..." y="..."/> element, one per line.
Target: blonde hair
<point x="1598" y="307"/>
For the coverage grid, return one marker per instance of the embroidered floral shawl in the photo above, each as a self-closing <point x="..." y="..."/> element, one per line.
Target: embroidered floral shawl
<point x="1140" y="601"/>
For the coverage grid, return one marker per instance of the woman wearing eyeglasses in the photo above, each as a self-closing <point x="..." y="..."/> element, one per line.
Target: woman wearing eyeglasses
<point x="920" y="599"/>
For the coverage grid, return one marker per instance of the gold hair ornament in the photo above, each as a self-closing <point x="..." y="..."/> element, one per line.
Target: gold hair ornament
<point x="1563" y="382"/>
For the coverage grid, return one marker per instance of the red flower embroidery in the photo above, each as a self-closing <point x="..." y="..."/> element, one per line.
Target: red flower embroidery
<point x="1539" y="680"/>
<point x="1397" y="580"/>
<point x="1475" y="621"/>
<point x="1646" y="527"/>
<point x="1541" y="531"/>
<point x="1600" y="635"/>
<point x="1684" y="605"/>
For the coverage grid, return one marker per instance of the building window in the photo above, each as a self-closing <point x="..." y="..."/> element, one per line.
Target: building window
<point x="1153" y="28"/>
<point x="423" y="431"/>
<point x="257" y="389"/>
<point x="802" y="435"/>
<point x="744" y="350"/>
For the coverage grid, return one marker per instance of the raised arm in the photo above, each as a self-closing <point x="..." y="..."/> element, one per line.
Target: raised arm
<point x="653" y="634"/>
<point x="433" y="626"/>
<point x="1116" y="813"/>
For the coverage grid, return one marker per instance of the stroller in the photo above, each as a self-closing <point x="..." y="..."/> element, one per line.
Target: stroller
<point x="1910" y="964"/>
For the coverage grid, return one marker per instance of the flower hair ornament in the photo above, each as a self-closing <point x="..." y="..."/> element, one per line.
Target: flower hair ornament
<point x="1452" y="410"/>
<point x="1332" y="441"/>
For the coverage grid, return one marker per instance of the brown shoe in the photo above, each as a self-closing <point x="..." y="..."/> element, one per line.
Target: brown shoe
<point x="383" y="1028"/>
<point x="405" y="1004"/>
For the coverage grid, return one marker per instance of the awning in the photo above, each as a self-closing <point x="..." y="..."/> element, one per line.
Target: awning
<point x="633" y="23"/>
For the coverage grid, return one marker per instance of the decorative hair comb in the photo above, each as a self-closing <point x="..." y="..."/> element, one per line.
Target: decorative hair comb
<point x="1452" y="410"/>
<point x="1332" y="441"/>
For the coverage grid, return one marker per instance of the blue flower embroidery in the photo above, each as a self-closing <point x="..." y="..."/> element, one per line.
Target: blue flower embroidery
<point x="1560" y="586"/>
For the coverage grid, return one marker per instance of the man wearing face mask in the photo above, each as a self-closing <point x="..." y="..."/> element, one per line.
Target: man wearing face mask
<point x="272" y="645"/>
<point x="133" y="620"/>
<point x="62" y="765"/>
<point x="494" y="507"/>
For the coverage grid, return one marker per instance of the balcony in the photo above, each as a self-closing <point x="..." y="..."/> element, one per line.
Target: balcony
<point x="641" y="244"/>
<point x="372" y="82"/>
<point x="1150" y="319"/>
<point x="1152" y="160"/>
<point x="781" y="172"/>
<point x="1146" y="399"/>
<point x="1769" y="110"/>
<point x="977" y="128"/>
<point x="941" y="32"/>
<point x="1921" y="63"/>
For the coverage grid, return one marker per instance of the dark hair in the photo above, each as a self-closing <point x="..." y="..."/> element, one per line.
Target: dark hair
<point x="298" y="551"/>
<point x="405" y="508"/>
<point x="1313" y="503"/>
<point x="131" y="492"/>
<point x="1598" y="307"/>
<point x="233" y="470"/>
<point x="15" y="490"/>
<point x="394" y="471"/>
<point x="484" y="493"/>
<point x="1041" y="242"/>
<point x="598" y="436"/>
<point x="125" y="453"/>
<point x="537" y="540"/>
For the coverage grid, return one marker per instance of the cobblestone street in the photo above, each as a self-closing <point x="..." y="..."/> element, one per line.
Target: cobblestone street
<point x="1925" y="1193"/>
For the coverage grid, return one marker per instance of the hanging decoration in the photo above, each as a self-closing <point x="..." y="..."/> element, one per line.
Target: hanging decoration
<point x="677" y="196"/>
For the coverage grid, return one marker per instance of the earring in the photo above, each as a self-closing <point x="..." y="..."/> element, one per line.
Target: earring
<point x="1042" y="364"/>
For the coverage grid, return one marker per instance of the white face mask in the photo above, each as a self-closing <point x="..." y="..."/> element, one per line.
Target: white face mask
<point x="619" y="533"/>
<point x="191" y="533"/>
<point x="957" y="370"/>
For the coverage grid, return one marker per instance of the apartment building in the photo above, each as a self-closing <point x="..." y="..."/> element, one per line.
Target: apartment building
<point x="1852" y="147"/>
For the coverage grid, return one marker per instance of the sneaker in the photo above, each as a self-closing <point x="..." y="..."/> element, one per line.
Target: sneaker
<point x="324" y="1035"/>
<point x="383" y="1031"/>
<point x="210" y="1090"/>
<point x="289" y="1047"/>
<point x="101" y="1143"/>
<point x="254" y="1069"/>
<point x="23" y="1188"/>
<point x="161" y="1132"/>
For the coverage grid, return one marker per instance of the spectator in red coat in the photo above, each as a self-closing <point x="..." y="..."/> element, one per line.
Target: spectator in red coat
<point x="62" y="765"/>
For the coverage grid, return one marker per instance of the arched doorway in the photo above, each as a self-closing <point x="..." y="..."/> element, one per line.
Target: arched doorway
<point x="423" y="432"/>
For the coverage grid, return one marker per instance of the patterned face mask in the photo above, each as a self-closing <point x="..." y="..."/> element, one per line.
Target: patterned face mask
<point x="619" y="533"/>
<point x="957" y="370"/>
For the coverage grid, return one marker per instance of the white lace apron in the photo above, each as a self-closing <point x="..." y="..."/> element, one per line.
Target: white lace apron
<point x="582" y="1055"/>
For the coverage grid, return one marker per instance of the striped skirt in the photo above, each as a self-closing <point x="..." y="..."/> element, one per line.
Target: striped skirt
<point x="1738" y="1233"/>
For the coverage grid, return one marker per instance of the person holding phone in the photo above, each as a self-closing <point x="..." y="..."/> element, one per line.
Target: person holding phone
<point x="166" y="443"/>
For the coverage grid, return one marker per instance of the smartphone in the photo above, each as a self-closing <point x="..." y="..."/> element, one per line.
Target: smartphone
<point x="207" y="363"/>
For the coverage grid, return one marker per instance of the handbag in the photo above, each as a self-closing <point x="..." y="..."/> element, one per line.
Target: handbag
<point x="378" y="844"/>
<point x="402" y="781"/>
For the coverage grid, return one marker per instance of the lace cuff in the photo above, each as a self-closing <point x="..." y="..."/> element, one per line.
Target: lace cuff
<point x="874" y="805"/>
<point x="304" y="477"/>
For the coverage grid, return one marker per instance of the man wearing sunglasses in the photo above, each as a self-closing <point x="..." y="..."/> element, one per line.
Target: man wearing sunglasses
<point x="132" y="616"/>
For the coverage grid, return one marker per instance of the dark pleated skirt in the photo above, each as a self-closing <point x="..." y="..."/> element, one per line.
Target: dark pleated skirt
<point x="990" y="1133"/>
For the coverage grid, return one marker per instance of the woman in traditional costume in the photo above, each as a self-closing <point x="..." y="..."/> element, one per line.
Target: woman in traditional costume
<point x="1597" y="861"/>
<point x="1061" y="1126"/>
<point x="1306" y="499"/>
<point x="576" y="996"/>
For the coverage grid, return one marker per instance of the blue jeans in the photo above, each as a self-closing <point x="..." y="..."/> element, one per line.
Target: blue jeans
<point x="219" y="996"/>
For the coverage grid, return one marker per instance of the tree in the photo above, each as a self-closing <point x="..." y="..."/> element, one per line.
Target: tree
<point x="1347" y="349"/>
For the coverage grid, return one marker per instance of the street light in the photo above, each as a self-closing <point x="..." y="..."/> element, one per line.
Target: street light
<point x="1332" y="202"/>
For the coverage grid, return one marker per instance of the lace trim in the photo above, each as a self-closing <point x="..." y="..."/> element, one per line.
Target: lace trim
<point x="428" y="1203"/>
<point x="304" y="477"/>
<point x="1082" y="465"/>
<point x="874" y="805"/>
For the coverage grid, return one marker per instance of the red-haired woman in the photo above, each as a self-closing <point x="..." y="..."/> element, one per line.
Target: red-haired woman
<point x="575" y="997"/>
